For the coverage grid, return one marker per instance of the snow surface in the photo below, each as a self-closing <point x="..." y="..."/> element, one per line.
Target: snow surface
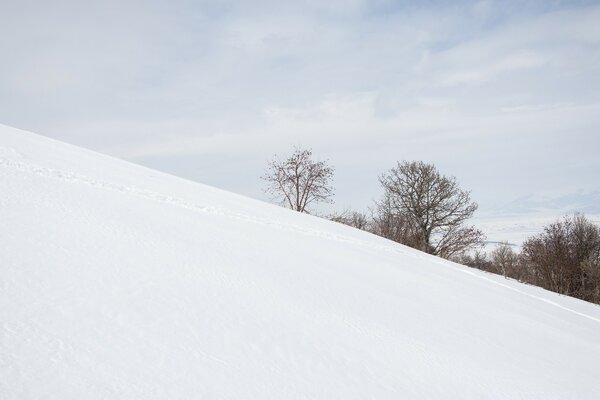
<point x="120" y="282"/>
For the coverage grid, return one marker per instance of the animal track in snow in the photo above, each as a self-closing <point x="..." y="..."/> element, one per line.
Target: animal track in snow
<point x="155" y="196"/>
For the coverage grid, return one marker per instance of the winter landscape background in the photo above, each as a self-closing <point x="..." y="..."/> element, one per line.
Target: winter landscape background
<point x="139" y="255"/>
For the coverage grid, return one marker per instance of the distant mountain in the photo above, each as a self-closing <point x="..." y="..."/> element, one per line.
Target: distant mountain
<point x="583" y="202"/>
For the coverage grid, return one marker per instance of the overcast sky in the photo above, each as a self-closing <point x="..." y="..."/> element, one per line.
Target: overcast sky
<point x="503" y="95"/>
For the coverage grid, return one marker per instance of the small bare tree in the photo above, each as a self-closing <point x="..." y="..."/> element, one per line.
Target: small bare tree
<point x="298" y="181"/>
<point x="505" y="259"/>
<point x="476" y="259"/>
<point x="435" y="207"/>
<point x="355" y="219"/>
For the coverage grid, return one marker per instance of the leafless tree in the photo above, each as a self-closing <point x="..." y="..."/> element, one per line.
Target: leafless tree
<point x="565" y="258"/>
<point x="298" y="181"/>
<point x="394" y="225"/>
<point x="434" y="205"/>
<point x="477" y="259"/>
<point x="505" y="259"/>
<point x="355" y="219"/>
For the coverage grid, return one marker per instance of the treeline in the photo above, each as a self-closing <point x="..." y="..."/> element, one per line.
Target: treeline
<point x="428" y="211"/>
<point x="564" y="258"/>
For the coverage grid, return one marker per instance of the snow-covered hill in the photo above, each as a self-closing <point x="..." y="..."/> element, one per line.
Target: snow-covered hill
<point x="120" y="282"/>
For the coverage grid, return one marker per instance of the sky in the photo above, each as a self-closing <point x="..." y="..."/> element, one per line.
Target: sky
<point x="505" y="96"/>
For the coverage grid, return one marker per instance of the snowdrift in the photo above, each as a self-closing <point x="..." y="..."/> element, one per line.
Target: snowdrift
<point x="120" y="282"/>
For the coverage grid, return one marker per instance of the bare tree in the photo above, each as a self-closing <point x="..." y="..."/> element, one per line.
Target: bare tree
<point x="505" y="259"/>
<point x="565" y="258"/>
<point x="435" y="207"/>
<point x="394" y="225"/>
<point x="478" y="259"/>
<point x="298" y="181"/>
<point x="355" y="219"/>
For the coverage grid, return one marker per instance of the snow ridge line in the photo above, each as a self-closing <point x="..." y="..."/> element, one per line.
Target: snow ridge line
<point x="464" y="270"/>
<point x="73" y="177"/>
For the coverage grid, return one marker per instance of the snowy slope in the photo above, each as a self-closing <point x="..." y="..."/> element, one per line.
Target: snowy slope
<point x="120" y="282"/>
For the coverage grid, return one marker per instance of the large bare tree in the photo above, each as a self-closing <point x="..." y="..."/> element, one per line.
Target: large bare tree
<point x="298" y="181"/>
<point x="433" y="206"/>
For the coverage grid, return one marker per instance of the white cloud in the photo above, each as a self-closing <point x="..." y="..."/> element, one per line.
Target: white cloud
<point x="365" y="83"/>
